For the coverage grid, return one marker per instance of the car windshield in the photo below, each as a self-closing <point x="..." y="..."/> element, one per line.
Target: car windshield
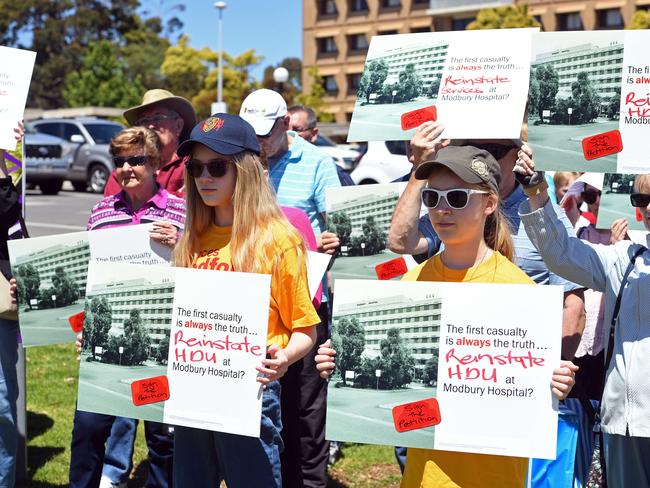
<point x="103" y="133"/>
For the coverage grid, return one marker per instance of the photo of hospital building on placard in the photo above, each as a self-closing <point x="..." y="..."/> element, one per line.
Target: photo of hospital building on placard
<point x="153" y="300"/>
<point x="358" y="208"/>
<point x="417" y="320"/>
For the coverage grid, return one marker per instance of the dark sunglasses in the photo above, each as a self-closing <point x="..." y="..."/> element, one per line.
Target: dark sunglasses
<point x="133" y="161"/>
<point x="457" y="198"/>
<point x="216" y="169"/>
<point x="498" y="151"/>
<point x="640" y="199"/>
<point x="590" y="196"/>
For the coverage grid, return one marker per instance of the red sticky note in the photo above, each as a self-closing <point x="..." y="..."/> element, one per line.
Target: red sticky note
<point x="416" y="415"/>
<point x="77" y="322"/>
<point x="150" y="390"/>
<point x="602" y="145"/>
<point x="391" y="269"/>
<point x="639" y="215"/>
<point x="410" y="120"/>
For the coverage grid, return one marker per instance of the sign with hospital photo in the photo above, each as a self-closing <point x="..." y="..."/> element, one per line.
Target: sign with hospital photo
<point x="616" y="203"/>
<point x="588" y="107"/>
<point x="51" y="275"/>
<point x="361" y="217"/>
<point x="474" y="82"/>
<point x="169" y="344"/>
<point x="441" y="366"/>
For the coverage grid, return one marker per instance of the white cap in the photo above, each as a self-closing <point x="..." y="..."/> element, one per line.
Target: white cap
<point x="592" y="179"/>
<point x="261" y="109"/>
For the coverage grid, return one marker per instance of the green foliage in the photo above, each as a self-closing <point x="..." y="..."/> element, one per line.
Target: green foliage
<point x="349" y="341"/>
<point x="396" y="361"/>
<point x="430" y="373"/>
<point x="533" y="94"/>
<point x="614" y="105"/>
<point x="64" y="288"/>
<point x="507" y="17"/>
<point x="45" y="298"/>
<point x="340" y="224"/>
<point x="316" y="96"/>
<point x="144" y="52"/>
<point x="97" y="324"/>
<point x="640" y="20"/>
<point x="434" y="87"/>
<point x="137" y="340"/>
<point x="292" y="87"/>
<point x="409" y="85"/>
<point x="161" y="353"/>
<point x="112" y="352"/>
<point x="28" y="283"/>
<point x="183" y="69"/>
<point x="372" y="79"/>
<point x="587" y="100"/>
<point x="549" y="84"/>
<point x="372" y="236"/>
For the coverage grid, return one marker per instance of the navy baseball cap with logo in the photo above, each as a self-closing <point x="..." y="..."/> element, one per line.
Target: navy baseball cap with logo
<point x="223" y="133"/>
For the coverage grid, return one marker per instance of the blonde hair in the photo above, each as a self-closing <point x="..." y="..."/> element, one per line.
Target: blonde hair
<point x="641" y="179"/>
<point x="561" y="178"/>
<point x="497" y="232"/>
<point x="257" y="219"/>
<point x="141" y="137"/>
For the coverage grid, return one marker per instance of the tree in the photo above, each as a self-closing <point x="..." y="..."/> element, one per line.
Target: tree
<point x="144" y="52"/>
<point x="161" y="354"/>
<point x="349" y="342"/>
<point x="533" y="94"/>
<point x="112" y="353"/>
<point x="434" y="87"/>
<point x="409" y="84"/>
<point x="586" y="98"/>
<point x="292" y="87"/>
<point x="507" y="17"/>
<point x="45" y="298"/>
<point x="640" y="20"/>
<point x="97" y="324"/>
<point x="430" y="373"/>
<point x="372" y="79"/>
<point x="316" y="96"/>
<point x="340" y="224"/>
<point x="374" y="237"/>
<point x="64" y="288"/>
<point x="28" y="283"/>
<point x="184" y="69"/>
<point x="397" y="362"/>
<point x="614" y="105"/>
<point x="549" y="84"/>
<point x="136" y="350"/>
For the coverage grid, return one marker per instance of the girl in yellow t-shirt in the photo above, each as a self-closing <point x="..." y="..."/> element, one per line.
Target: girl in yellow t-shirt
<point x="234" y="223"/>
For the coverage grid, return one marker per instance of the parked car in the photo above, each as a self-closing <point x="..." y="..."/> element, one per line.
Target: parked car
<point x="343" y="156"/>
<point x="47" y="161"/>
<point x="381" y="162"/>
<point x="92" y="163"/>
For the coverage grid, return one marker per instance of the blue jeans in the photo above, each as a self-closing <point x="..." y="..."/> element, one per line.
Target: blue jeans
<point x="118" y="460"/>
<point x="203" y="458"/>
<point x="8" y="398"/>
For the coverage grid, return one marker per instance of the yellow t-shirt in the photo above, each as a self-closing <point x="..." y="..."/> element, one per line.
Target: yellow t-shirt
<point x="290" y="306"/>
<point x="427" y="468"/>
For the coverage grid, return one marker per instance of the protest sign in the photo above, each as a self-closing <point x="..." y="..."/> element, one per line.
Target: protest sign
<point x="476" y="348"/>
<point x="198" y="329"/>
<point x="361" y="217"/>
<point x="615" y="202"/>
<point x="317" y="264"/>
<point x="474" y="82"/>
<point x="51" y="274"/>
<point x="15" y="78"/>
<point x="588" y="103"/>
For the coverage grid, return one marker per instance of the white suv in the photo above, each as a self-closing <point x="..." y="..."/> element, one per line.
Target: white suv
<point x="382" y="162"/>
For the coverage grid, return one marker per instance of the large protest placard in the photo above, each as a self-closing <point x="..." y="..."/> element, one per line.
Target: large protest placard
<point x="615" y="202"/>
<point x="478" y="349"/>
<point x="175" y="345"/>
<point x="476" y="82"/>
<point x="361" y="217"/>
<point x="51" y="274"/>
<point x="588" y="102"/>
<point x="15" y="78"/>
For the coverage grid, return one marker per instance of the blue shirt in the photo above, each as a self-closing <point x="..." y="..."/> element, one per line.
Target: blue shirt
<point x="301" y="177"/>
<point x="526" y="256"/>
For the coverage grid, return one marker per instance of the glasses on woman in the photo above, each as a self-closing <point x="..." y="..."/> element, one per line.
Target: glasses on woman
<point x="216" y="169"/>
<point x="133" y="161"/>
<point x="640" y="199"/>
<point x="457" y="198"/>
<point x="590" y="196"/>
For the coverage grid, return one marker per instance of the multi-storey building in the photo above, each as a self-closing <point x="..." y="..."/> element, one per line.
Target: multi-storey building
<point x="417" y="320"/>
<point x="428" y="60"/>
<point x="337" y="33"/>
<point x="153" y="300"/>
<point x="73" y="258"/>
<point x="379" y="206"/>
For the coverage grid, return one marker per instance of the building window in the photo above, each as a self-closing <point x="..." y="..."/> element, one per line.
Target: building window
<point x="610" y="18"/>
<point x="326" y="46"/>
<point x="461" y="24"/>
<point x="387" y="32"/>
<point x="538" y="18"/>
<point x="420" y="29"/>
<point x="327" y="8"/>
<point x="419" y="4"/>
<point x="357" y="42"/>
<point x="329" y="83"/>
<point x="391" y="4"/>
<point x="570" y="21"/>
<point x="353" y="83"/>
<point x="358" y="6"/>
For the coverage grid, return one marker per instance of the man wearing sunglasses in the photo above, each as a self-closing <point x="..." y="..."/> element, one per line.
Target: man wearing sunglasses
<point x="171" y="118"/>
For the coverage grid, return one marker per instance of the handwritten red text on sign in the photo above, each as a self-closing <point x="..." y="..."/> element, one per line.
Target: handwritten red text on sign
<point x="150" y="390"/>
<point x="416" y="415"/>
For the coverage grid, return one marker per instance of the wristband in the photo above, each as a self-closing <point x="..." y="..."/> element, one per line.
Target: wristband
<point x="540" y="187"/>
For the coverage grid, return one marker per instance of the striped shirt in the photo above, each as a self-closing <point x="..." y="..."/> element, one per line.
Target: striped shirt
<point x="301" y="177"/>
<point x="115" y="211"/>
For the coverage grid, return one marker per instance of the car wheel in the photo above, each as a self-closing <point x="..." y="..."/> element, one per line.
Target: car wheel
<point x="97" y="178"/>
<point x="51" y="187"/>
<point x="79" y="185"/>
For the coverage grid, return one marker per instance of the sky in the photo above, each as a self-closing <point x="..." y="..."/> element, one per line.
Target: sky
<point x="272" y="27"/>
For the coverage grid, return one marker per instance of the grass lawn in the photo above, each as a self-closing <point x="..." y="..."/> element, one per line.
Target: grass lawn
<point x="52" y="375"/>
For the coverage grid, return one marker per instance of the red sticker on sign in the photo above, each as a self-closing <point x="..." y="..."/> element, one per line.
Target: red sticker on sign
<point x="602" y="145"/>
<point x="391" y="269"/>
<point x="410" y="120"/>
<point x="150" y="390"/>
<point x="416" y="415"/>
<point x="77" y="322"/>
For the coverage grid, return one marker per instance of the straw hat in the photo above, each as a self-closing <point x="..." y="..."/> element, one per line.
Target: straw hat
<point x="167" y="99"/>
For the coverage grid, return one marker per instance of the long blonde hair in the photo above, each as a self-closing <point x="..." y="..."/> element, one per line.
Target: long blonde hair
<point x="497" y="232"/>
<point x="257" y="219"/>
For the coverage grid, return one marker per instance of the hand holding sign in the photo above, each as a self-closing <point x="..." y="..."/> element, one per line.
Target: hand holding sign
<point x="426" y="142"/>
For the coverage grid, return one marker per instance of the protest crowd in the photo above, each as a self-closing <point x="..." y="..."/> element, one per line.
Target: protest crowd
<point x="247" y="193"/>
